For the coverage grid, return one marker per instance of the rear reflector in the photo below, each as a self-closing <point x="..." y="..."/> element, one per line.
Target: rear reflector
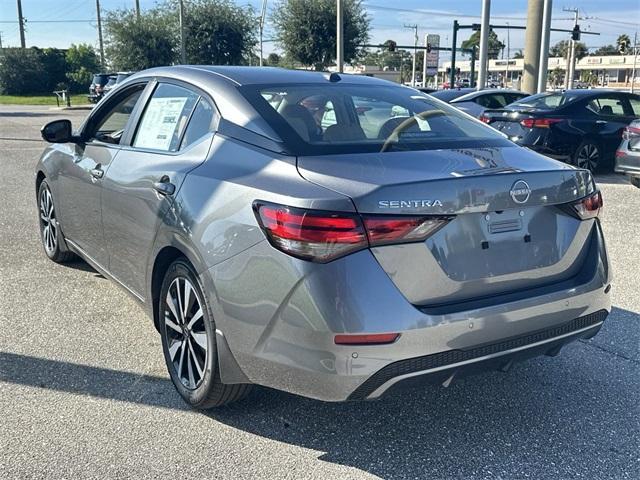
<point x="484" y="119"/>
<point x="629" y="132"/>
<point x="322" y="236"/>
<point x="539" y="122"/>
<point x="366" y="339"/>
<point x="588" y="207"/>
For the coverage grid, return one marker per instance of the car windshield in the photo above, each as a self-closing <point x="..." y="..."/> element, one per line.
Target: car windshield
<point x="324" y="119"/>
<point x="100" y="79"/>
<point x="546" y="101"/>
<point x="450" y="94"/>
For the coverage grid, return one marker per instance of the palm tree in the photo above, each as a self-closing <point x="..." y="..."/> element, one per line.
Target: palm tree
<point x="623" y="44"/>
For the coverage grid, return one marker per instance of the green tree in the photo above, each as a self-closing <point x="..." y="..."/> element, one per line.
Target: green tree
<point x="55" y="67"/>
<point x="561" y="49"/>
<point x="606" y="51"/>
<point x="623" y="44"/>
<point x="306" y="30"/>
<point x="218" y="32"/>
<point x="273" y="59"/>
<point x="519" y="54"/>
<point x="136" y="44"/>
<point x="82" y="63"/>
<point x="21" y="71"/>
<point x="495" y="45"/>
<point x="556" y="76"/>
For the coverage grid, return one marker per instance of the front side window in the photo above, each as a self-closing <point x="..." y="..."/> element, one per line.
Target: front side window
<point x="324" y="119"/>
<point x="112" y="118"/>
<point x="546" y="101"/>
<point x="165" y="118"/>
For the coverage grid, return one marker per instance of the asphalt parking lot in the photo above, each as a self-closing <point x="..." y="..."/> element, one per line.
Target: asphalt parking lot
<point x="84" y="392"/>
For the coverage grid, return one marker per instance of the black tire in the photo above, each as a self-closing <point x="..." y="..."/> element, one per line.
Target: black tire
<point x="635" y="181"/>
<point x="198" y="380"/>
<point x="589" y="155"/>
<point x="53" y="241"/>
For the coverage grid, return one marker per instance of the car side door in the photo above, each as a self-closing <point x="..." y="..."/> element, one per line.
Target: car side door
<point x="612" y="114"/>
<point x="173" y="136"/>
<point x="80" y="179"/>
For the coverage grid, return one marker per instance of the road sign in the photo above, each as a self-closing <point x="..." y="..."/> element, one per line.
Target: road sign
<point x="433" y="56"/>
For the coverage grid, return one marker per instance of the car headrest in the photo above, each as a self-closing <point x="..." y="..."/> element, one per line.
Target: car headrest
<point x="343" y="133"/>
<point x="606" y="110"/>
<point x="301" y="120"/>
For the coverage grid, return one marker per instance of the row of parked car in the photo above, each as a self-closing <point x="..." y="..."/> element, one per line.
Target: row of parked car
<point x="102" y="83"/>
<point x="594" y="129"/>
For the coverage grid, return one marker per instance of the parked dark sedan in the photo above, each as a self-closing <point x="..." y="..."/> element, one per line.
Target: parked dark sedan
<point x="451" y="93"/>
<point x="580" y="127"/>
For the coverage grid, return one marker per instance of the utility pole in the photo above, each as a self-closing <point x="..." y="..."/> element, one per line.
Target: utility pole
<point x="0" y="40"/>
<point x="484" y="44"/>
<point x="454" y="41"/>
<point x="543" y="66"/>
<point x="263" y="12"/>
<point x="424" y="61"/>
<point x="415" y="51"/>
<point x="101" y="43"/>
<point x="138" y="10"/>
<point x="23" y="43"/>
<point x="532" y="46"/>
<point x="183" y="50"/>
<point x="571" y="67"/>
<point x="339" y="36"/>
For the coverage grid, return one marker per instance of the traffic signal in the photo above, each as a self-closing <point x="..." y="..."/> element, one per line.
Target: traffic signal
<point x="428" y="48"/>
<point x="575" y="33"/>
<point x="391" y="45"/>
<point x="623" y="48"/>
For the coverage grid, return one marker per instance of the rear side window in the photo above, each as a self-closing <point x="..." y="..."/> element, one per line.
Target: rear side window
<point x="492" y="101"/>
<point x="606" y="106"/>
<point x="165" y="118"/>
<point x="635" y="105"/>
<point x="323" y="119"/>
<point x="200" y="123"/>
<point x="546" y="101"/>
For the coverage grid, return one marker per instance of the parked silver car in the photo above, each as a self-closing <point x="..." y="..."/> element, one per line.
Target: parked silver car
<point x="628" y="153"/>
<point x="475" y="103"/>
<point x="276" y="241"/>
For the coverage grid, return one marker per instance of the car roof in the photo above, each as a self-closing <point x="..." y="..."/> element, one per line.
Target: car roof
<point x="486" y="91"/>
<point x="241" y="75"/>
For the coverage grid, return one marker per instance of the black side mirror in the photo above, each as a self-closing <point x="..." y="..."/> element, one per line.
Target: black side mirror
<point x="58" y="131"/>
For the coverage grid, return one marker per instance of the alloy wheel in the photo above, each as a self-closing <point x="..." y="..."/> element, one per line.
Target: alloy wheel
<point x="588" y="157"/>
<point x="186" y="334"/>
<point x="48" y="222"/>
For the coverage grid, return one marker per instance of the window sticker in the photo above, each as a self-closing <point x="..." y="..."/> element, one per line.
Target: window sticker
<point x="160" y="122"/>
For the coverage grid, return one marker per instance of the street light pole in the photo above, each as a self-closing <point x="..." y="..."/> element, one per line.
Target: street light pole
<point x="262" y="15"/>
<point x="635" y="58"/>
<point x="339" y="36"/>
<point x="137" y="9"/>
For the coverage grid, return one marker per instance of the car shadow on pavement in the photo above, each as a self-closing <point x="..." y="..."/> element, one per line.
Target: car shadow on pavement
<point x="612" y="179"/>
<point x="545" y="418"/>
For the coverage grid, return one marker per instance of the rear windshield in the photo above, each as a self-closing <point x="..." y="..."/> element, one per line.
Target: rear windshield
<point x="122" y="76"/>
<point x="326" y="119"/>
<point x="546" y="101"/>
<point x="100" y="79"/>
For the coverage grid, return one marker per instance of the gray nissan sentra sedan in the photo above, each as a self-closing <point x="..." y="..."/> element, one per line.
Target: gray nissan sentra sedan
<point x="329" y="235"/>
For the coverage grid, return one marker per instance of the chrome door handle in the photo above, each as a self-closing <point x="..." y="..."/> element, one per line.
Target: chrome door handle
<point x="164" y="186"/>
<point x="601" y="122"/>
<point x="97" y="172"/>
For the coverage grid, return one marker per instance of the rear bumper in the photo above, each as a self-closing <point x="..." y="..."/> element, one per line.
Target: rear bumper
<point x="280" y="315"/>
<point x="444" y="367"/>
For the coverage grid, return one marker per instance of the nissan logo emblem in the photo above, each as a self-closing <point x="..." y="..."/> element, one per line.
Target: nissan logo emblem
<point x="520" y="191"/>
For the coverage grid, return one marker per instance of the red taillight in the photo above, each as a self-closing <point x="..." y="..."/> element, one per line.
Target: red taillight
<point x="484" y="119"/>
<point x="366" y="339"/>
<point x="539" y="122"/>
<point x="588" y="207"/>
<point x="322" y="236"/>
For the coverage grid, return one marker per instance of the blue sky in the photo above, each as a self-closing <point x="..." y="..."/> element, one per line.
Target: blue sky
<point x="610" y="18"/>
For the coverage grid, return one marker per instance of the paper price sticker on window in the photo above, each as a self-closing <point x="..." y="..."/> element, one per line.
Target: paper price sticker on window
<point x="159" y="126"/>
